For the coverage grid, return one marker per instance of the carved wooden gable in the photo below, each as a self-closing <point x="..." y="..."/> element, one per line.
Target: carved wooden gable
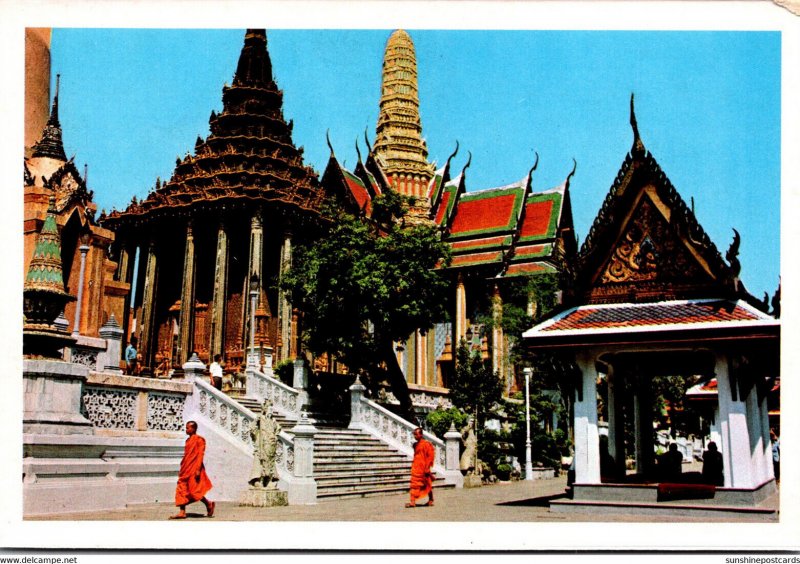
<point x="650" y="259"/>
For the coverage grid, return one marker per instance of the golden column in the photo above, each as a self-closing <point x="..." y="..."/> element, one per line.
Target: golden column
<point x="284" y="308"/>
<point x="497" y="335"/>
<point x="217" y="344"/>
<point x="186" y="323"/>
<point x="461" y="312"/>
<point x="147" y="341"/>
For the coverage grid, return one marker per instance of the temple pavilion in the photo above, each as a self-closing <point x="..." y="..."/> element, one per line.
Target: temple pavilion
<point x="653" y="298"/>
<point x="496" y="234"/>
<point x="220" y="230"/>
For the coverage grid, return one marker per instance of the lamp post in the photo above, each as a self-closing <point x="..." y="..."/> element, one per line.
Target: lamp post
<point x="251" y="356"/>
<point x="528" y="465"/>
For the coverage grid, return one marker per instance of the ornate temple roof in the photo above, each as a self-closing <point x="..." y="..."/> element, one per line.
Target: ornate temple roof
<point x="646" y="244"/>
<point x="490" y="229"/>
<point x="503" y="231"/>
<point x="249" y="154"/>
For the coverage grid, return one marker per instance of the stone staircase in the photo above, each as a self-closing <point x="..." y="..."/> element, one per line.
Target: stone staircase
<point x="350" y="463"/>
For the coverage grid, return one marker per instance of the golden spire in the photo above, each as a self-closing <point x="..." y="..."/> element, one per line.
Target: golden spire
<point x="399" y="146"/>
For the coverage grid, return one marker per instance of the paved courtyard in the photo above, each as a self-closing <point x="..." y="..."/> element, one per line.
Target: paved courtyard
<point x="504" y="502"/>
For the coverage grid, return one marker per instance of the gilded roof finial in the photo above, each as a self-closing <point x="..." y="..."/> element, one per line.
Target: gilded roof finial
<point x="574" y="168"/>
<point x="366" y="140"/>
<point x="638" y="146"/>
<point x="328" y="139"/>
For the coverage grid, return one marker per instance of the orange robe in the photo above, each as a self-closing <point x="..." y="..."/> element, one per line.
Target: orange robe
<point x="193" y="483"/>
<point x="421" y="470"/>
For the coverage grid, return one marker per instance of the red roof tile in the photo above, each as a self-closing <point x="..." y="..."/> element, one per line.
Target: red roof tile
<point x="538" y="217"/>
<point x="528" y="268"/>
<point x="477" y="243"/>
<point x="440" y="213"/>
<point x="357" y="189"/>
<point x="529" y="251"/>
<point x="486" y="213"/>
<point x="657" y="314"/>
<point x="477" y="258"/>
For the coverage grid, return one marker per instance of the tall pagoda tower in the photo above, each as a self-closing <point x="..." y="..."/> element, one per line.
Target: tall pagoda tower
<point x="220" y="229"/>
<point x="399" y="147"/>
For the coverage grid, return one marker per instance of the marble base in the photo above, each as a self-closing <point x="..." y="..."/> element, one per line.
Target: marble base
<point x="472" y="481"/>
<point x="259" y="497"/>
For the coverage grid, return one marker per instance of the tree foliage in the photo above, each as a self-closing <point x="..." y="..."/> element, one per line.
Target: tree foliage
<point x="367" y="283"/>
<point x="475" y="388"/>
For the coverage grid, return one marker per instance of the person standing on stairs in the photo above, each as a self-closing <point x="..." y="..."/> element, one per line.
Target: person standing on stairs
<point x="421" y="471"/>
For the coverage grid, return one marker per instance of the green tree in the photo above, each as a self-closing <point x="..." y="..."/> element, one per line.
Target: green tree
<point x="475" y="388"/>
<point x="367" y="283"/>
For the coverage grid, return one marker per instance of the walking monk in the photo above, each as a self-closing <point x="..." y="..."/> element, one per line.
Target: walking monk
<point x="193" y="483"/>
<point x="421" y="471"/>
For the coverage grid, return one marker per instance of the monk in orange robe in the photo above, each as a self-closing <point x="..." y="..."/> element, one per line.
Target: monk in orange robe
<point x="421" y="471"/>
<point x="193" y="482"/>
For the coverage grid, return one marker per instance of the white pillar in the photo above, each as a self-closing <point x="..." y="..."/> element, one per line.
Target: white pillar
<point x="587" y="439"/>
<point x="735" y="443"/>
<point x="753" y="412"/>
<point x="76" y="328"/>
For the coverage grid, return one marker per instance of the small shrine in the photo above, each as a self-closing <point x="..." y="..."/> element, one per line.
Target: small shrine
<point x="654" y="298"/>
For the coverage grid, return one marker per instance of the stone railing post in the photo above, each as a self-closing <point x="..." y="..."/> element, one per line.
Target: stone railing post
<point x="193" y="369"/>
<point x="452" y="439"/>
<point x="112" y="333"/>
<point x="303" y="488"/>
<point x="356" y="393"/>
<point x="300" y="383"/>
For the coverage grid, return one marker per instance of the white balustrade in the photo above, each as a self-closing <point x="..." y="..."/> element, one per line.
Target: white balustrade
<point x="388" y="427"/>
<point x="235" y="419"/>
<point x="285" y="399"/>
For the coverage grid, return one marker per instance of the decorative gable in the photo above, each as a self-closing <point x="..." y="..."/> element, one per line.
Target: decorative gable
<point x="650" y="258"/>
<point x="646" y="244"/>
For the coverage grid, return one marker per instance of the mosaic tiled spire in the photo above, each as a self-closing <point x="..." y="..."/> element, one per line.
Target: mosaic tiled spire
<point x="51" y="145"/>
<point x="45" y="270"/>
<point x="44" y="284"/>
<point x="399" y="144"/>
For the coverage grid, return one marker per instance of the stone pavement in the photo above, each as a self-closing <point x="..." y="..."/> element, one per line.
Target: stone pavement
<point x="504" y="502"/>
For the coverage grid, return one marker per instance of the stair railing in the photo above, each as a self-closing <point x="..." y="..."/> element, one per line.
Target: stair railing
<point x="234" y="420"/>
<point x="295" y="452"/>
<point x="287" y="401"/>
<point x="395" y="431"/>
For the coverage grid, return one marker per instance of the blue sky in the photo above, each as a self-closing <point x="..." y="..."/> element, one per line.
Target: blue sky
<point x="707" y="103"/>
